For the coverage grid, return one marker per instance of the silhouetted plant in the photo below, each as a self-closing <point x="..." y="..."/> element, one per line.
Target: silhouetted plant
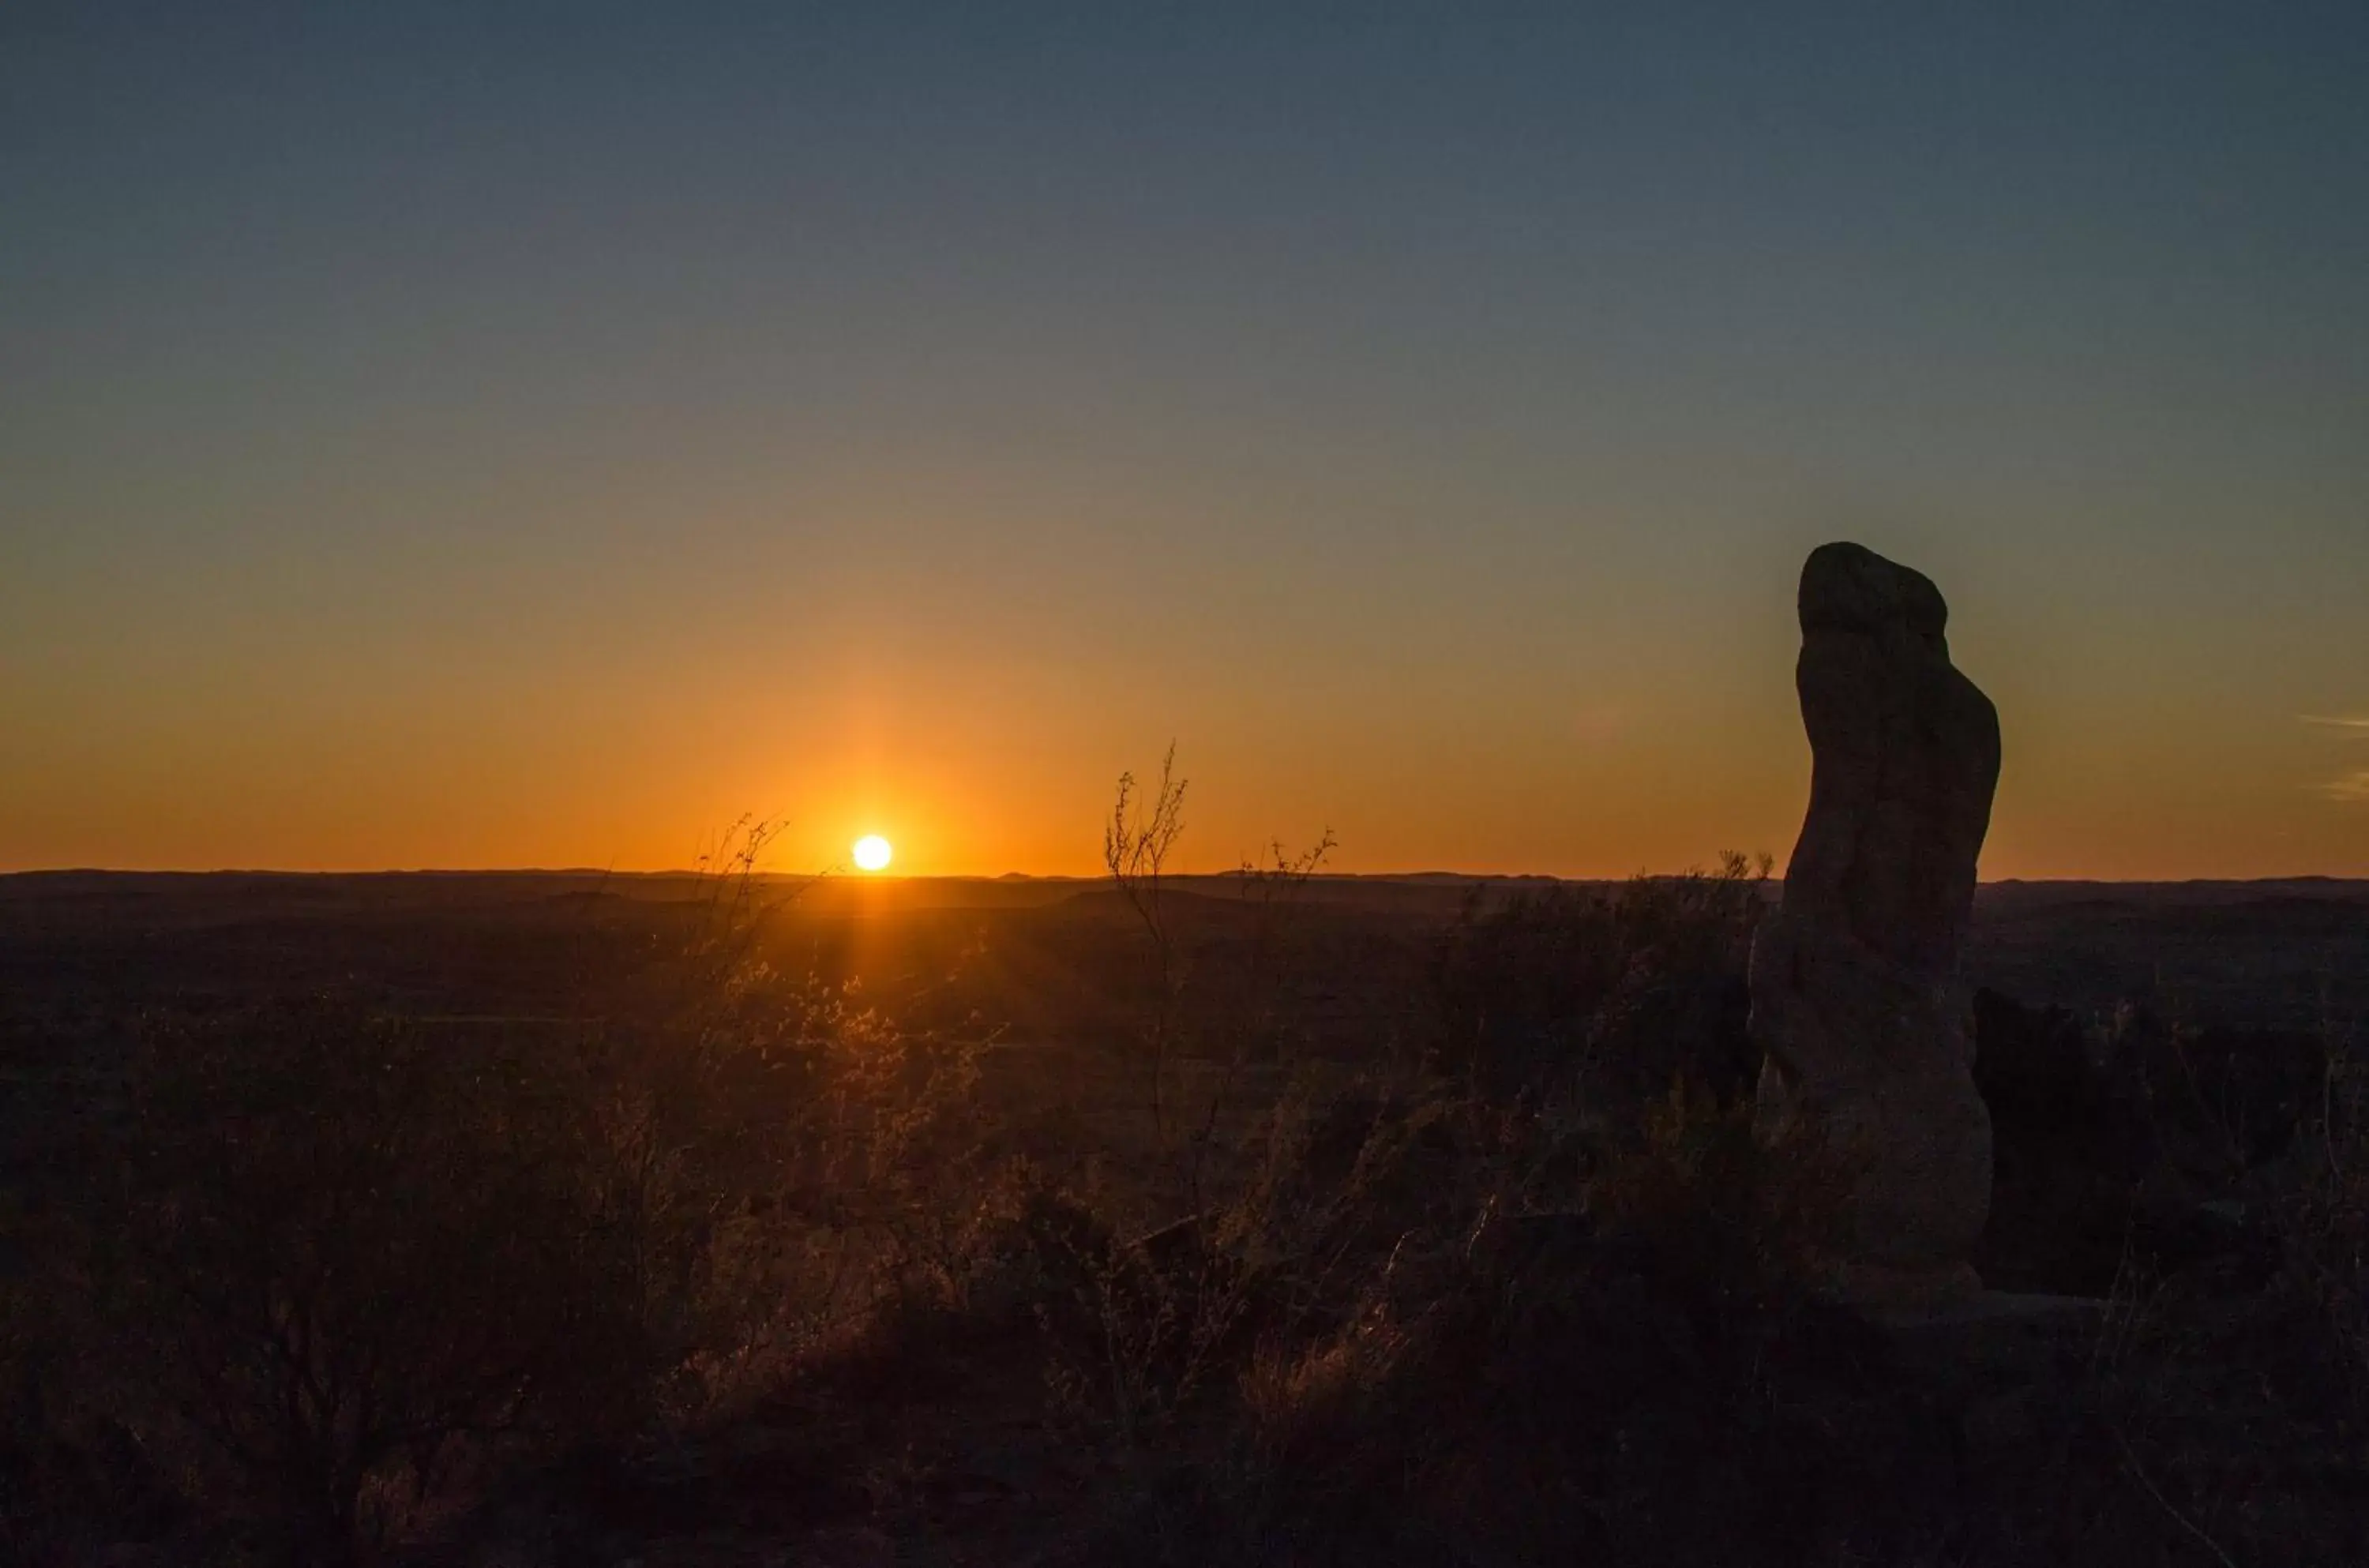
<point x="2324" y="1218"/>
<point x="344" y="1247"/>
<point x="342" y="1244"/>
<point x="1631" y="985"/>
<point x="1136" y="845"/>
<point x="1249" y="1018"/>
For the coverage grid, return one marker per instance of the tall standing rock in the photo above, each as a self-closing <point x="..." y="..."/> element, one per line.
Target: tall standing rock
<point x="1858" y="1005"/>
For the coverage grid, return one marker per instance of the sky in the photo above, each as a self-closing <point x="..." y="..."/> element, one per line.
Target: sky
<point x="500" y="435"/>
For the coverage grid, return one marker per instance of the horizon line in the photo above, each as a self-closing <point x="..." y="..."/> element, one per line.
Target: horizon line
<point x="1084" y="878"/>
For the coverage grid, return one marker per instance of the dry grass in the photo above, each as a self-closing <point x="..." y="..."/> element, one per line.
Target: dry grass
<point x="762" y="1275"/>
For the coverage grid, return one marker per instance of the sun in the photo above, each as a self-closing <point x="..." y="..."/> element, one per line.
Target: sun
<point x="872" y="853"/>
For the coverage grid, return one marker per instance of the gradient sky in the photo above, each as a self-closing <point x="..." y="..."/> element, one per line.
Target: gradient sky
<point x="499" y="435"/>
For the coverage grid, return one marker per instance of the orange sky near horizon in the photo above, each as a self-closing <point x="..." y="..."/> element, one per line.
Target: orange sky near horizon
<point x="1405" y="739"/>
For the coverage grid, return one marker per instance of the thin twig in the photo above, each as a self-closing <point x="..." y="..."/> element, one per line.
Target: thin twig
<point x="2183" y="1521"/>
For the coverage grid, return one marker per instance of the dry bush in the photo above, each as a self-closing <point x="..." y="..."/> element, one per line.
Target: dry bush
<point x="1630" y="988"/>
<point x="1137" y="843"/>
<point x="1380" y="1256"/>
<point x="2323" y="1224"/>
<point x="341" y="1247"/>
<point x="326" y="1252"/>
<point x="334" y="1247"/>
<point x="1472" y="1334"/>
<point x="780" y="1155"/>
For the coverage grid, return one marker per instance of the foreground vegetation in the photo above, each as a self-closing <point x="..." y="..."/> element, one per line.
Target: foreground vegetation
<point x="747" y="1271"/>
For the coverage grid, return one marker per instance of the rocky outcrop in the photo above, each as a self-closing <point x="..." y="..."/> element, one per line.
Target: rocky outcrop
<point x="1857" y="1001"/>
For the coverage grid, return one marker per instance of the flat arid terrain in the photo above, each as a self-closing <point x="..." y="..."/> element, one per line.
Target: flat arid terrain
<point x="989" y="1221"/>
<point x="1027" y="961"/>
<point x="1033" y="956"/>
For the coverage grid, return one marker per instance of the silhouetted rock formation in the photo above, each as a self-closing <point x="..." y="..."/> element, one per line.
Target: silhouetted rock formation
<point x="1858" y="1003"/>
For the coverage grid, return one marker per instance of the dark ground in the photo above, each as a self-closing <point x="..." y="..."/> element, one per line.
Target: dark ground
<point x="1389" y="1371"/>
<point x="77" y="947"/>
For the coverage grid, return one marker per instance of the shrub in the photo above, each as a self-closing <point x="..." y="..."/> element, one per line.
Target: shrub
<point x="1630" y="988"/>
<point x="1529" y="1352"/>
<point x="341" y="1248"/>
<point x="340" y="1245"/>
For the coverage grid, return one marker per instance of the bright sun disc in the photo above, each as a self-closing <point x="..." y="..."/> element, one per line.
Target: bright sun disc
<point x="872" y="853"/>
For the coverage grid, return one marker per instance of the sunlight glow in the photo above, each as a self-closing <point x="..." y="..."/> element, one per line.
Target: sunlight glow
<point x="872" y="853"/>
